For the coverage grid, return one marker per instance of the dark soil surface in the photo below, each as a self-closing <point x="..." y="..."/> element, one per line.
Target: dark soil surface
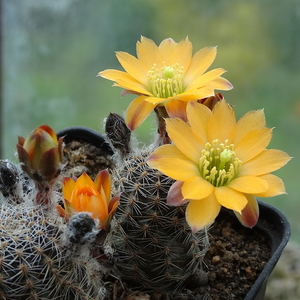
<point x="80" y="156"/>
<point x="236" y="256"/>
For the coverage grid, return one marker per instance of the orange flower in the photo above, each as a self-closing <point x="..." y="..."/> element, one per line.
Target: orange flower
<point x="166" y="75"/>
<point x="86" y="195"/>
<point x="40" y="153"/>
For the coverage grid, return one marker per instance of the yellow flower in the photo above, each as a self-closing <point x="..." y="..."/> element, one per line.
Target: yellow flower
<point x="219" y="162"/>
<point x="86" y="195"/>
<point x="40" y="153"/>
<point x="167" y="75"/>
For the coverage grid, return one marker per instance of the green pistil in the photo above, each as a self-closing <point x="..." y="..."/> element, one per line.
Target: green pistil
<point x="168" y="72"/>
<point x="218" y="163"/>
<point x="166" y="82"/>
<point x="225" y="157"/>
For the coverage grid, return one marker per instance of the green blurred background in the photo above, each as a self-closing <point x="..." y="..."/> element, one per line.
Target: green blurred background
<point x="53" y="50"/>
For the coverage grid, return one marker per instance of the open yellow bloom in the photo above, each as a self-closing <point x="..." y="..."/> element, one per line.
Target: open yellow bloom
<point x="86" y="195"/>
<point x="219" y="162"/>
<point x="167" y="75"/>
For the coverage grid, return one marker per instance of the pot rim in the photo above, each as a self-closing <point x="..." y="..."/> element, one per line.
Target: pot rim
<point x="86" y="134"/>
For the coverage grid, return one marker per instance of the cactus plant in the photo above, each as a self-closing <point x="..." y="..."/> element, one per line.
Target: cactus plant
<point x="44" y="255"/>
<point x="153" y="247"/>
<point x="39" y="256"/>
<point x="35" y="263"/>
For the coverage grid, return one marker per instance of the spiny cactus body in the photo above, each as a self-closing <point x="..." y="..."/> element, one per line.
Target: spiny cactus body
<point x="35" y="262"/>
<point x="154" y="248"/>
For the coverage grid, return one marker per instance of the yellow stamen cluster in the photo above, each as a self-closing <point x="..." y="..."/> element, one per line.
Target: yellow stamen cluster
<point x="218" y="163"/>
<point x="166" y="82"/>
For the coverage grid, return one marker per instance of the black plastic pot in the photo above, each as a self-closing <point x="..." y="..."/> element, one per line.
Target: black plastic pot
<point x="274" y="225"/>
<point x="86" y="134"/>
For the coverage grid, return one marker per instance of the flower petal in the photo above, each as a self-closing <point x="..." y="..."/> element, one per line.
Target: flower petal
<point x="49" y="130"/>
<point x="188" y="95"/>
<point x="249" y="184"/>
<point x="201" y="213"/>
<point x="68" y="186"/>
<point x="267" y="161"/>
<point x="81" y="202"/>
<point x="184" y="139"/>
<point x="191" y="95"/>
<point x="221" y="83"/>
<point x="205" y="91"/>
<point x="170" y="161"/>
<point x="155" y="100"/>
<point x="133" y="66"/>
<point x="196" y="188"/>
<point x="222" y="123"/>
<point x="114" y="202"/>
<point x="69" y="209"/>
<point x="253" y="143"/>
<point x="103" y="180"/>
<point x="198" y="116"/>
<point x="148" y="53"/>
<point x="24" y="157"/>
<point x="249" y="215"/>
<point x="124" y="80"/>
<point x="252" y="120"/>
<point x="276" y="186"/>
<point x="176" y="109"/>
<point x="180" y="53"/>
<point x="175" y="196"/>
<point x="85" y="180"/>
<point x="200" y="62"/>
<point x="97" y="206"/>
<point x="230" y="198"/>
<point x="137" y="111"/>
<point x="48" y="164"/>
<point x="205" y="79"/>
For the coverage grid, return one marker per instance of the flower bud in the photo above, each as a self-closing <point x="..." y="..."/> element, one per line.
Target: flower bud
<point x="40" y="154"/>
<point x="210" y="102"/>
<point x="86" y="195"/>
<point x="118" y="133"/>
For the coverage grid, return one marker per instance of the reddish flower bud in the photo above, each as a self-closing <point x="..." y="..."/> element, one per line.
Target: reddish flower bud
<point x="40" y="154"/>
<point x="210" y="102"/>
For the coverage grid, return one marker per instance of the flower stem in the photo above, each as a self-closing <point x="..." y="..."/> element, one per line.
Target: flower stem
<point x="161" y="114"/>
<point x="44" y="193"/>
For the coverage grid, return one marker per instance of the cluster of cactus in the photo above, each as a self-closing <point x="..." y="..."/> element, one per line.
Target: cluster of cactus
<point x="40" y="255"/>
<point x="149" y="245"/>
<point x="154" y="249"/>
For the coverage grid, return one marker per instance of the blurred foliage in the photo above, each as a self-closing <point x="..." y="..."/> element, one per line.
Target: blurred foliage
<point x="53" y="50"/>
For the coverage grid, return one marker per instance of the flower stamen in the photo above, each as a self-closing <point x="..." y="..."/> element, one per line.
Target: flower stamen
<point x="218" y="163"/>
<point x="167" y="81"/>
